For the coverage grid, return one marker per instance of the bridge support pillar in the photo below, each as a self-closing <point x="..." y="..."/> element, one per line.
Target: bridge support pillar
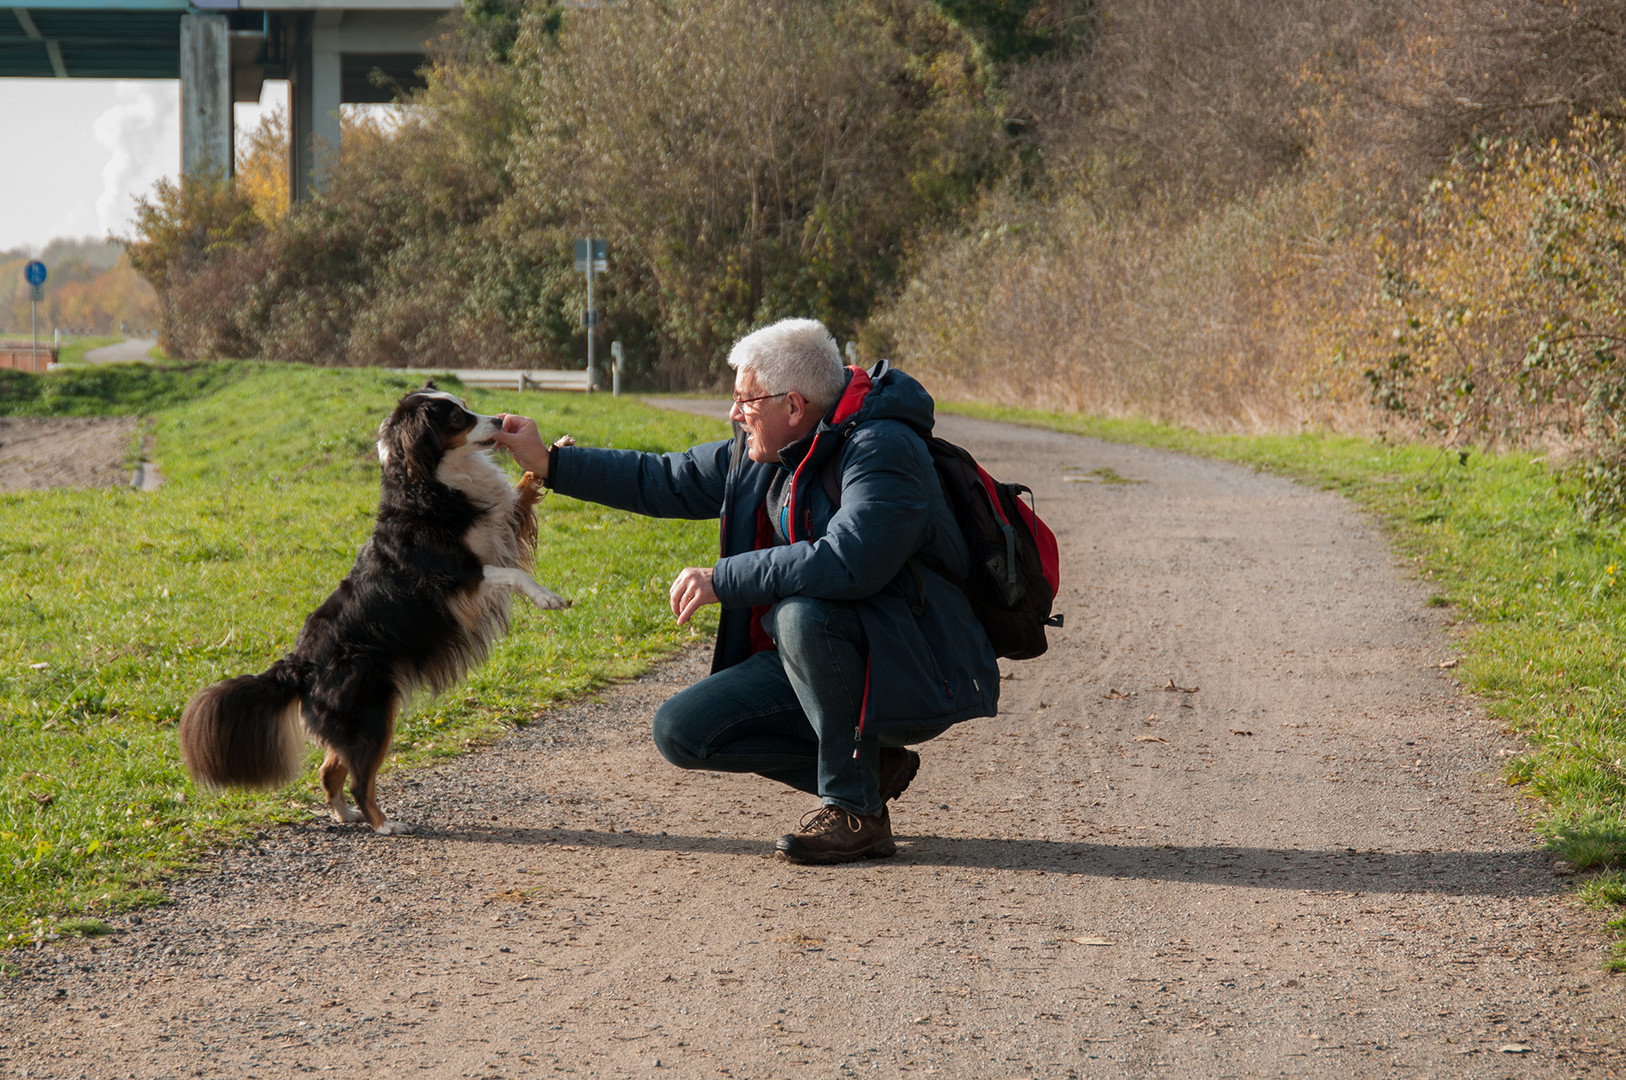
<point x="314" y="92"/>
<point x="206" y="98"/>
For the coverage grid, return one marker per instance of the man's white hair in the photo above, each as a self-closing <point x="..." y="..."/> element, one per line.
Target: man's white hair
<point x="793" y="354"/>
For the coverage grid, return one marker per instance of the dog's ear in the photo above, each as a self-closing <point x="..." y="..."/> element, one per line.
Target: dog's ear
<point x="410" y="441"/>
<point x="429" y="384"/>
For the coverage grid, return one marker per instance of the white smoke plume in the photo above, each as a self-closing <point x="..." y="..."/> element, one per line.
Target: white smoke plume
<point x="141" y="134"/>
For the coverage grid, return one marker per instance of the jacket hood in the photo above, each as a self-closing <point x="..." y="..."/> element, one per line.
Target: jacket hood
<point x="881" y="393"/>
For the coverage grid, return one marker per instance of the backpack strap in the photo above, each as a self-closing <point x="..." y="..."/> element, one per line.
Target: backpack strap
<point x="830" y="480"/>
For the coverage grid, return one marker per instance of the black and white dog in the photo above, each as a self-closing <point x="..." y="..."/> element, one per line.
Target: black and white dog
<point x="425" y="601"/>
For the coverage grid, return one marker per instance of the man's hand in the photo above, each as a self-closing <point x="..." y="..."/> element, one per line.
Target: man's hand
<point x="690" y="591"/>
<point x="520" y="436"/>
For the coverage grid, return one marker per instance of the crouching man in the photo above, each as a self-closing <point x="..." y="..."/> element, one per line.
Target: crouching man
<point x="842" y="638"/>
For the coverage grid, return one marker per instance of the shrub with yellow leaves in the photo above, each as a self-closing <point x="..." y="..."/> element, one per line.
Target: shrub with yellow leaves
<point x="1502" y="318"/>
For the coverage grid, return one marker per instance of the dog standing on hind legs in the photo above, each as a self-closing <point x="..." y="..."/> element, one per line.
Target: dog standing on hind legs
<point x="423" y="604"/>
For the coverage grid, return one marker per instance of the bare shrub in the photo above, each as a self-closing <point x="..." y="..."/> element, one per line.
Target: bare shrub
<point x="1201" y="227"/>
<point x="1108" y="313"/>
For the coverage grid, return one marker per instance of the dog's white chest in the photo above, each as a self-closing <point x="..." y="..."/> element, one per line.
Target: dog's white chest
<point x="491" y="538"/>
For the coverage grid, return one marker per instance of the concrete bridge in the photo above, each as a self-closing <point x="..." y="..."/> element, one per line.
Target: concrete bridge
<point x="222" y="51"/>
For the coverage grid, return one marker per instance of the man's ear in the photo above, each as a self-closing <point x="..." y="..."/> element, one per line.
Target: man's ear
<point x="798" y="407"/>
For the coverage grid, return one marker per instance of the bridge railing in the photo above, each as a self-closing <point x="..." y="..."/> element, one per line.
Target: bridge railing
<point x="23" y="356"/>
<point x="508" y="378"/>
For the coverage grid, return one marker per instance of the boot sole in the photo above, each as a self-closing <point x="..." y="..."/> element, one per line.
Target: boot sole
<point x="905" y="777"/>
<point x="832" y="858"/>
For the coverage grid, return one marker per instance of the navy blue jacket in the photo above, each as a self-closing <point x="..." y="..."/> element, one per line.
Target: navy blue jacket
<point x="930" y="661"/>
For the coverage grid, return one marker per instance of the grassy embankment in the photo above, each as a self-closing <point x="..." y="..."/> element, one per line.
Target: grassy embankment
<point x="121" y="603"/>
<point x="1541" y="591"/>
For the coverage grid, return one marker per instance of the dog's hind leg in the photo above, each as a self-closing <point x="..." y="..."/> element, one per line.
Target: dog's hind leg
<point x="364" y="779"/>
<point x="332" y="774"/>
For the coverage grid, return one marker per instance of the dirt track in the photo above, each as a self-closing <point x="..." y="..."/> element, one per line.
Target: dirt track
<point x="1298" y="861"/>
<point x="64" y="451"/>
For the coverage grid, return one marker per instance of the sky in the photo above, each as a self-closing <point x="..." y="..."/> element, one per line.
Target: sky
<point x="79" y="152"/>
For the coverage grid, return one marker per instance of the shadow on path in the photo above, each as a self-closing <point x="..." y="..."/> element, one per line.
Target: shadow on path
<point x="1449" y="873"/>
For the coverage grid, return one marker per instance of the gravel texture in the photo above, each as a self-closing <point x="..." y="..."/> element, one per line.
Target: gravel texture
<point x="64" y="451"/>
<point x="1239" y="821"/>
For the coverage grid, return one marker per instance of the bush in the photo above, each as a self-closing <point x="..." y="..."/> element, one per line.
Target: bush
<point x="198" y="244"/>
<point x="1505" y="322"/>
<point x="745" y="161"/>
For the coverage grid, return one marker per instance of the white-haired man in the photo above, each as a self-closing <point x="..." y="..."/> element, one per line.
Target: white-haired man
<point x="842" y="638"/>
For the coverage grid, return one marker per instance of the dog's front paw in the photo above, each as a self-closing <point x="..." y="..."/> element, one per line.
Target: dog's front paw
<point x="530" y="483"/>
<point x="394" y="828"/>
<point x="548" y="600"/>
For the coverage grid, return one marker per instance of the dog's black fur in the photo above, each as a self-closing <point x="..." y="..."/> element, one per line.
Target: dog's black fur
<point x="426" y="599"/>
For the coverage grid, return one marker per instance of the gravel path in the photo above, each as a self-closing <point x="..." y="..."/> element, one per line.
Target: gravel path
<point x="1239" y="821"/>
<point x="128" y="351"/>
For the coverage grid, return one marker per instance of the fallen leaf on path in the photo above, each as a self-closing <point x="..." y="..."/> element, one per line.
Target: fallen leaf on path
<point x="1515" y="1048"/>
<point x="1091" y="941"/>
<point x="1240" y="731"/>
<point x="1448" y="663"/>
<point x="1172" y="688"/>
<point x="1116" y="695"/>
<point x="1149" y="738"/>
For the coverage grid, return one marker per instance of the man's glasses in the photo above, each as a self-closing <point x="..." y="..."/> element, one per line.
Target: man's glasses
<point x="743" y="402"/>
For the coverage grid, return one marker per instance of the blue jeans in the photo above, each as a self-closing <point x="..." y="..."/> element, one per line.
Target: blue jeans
<point x="789" y="715"/>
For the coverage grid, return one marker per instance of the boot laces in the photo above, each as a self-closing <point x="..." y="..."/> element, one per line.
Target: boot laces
<point x="828" y="819"/>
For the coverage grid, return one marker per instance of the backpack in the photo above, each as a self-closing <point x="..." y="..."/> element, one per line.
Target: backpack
<point x="1014" y="569"/>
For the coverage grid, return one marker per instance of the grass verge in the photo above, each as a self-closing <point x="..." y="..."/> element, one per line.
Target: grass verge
<point x="122" y="603"/>
<point x="1541" y="589"/>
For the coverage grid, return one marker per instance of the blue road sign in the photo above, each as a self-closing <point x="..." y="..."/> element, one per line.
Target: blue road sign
<point x="601" y="254"/>
<point x="34" y="272"/>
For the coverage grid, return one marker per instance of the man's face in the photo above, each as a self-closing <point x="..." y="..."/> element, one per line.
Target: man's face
<point x="770" y="423"/>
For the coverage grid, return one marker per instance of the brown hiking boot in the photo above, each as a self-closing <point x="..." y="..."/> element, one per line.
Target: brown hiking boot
<point x="898" y="767"/>
<point x="833" y="835"/>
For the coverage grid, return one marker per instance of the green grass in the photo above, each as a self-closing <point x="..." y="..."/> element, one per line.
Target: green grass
<point x="1541" y="591"/>
<point x="120" y="604"/>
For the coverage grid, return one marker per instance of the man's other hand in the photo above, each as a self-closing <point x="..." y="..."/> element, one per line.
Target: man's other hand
<point x="690" y="591"/>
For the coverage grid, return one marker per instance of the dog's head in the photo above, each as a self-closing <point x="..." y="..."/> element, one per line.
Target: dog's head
<point x="426" y="426"/>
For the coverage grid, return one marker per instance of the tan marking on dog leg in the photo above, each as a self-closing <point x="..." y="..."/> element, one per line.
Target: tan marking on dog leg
<point x="367" y="794"/>
<point x="524" y="516"/>
<point x="332" y="774"/>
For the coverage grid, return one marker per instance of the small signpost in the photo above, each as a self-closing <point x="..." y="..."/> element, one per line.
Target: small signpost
<point x="34" y="273"/>
<point x="592" y="257"/>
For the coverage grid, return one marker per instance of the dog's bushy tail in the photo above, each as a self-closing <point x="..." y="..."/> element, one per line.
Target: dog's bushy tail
<point x="245" y="732"/>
